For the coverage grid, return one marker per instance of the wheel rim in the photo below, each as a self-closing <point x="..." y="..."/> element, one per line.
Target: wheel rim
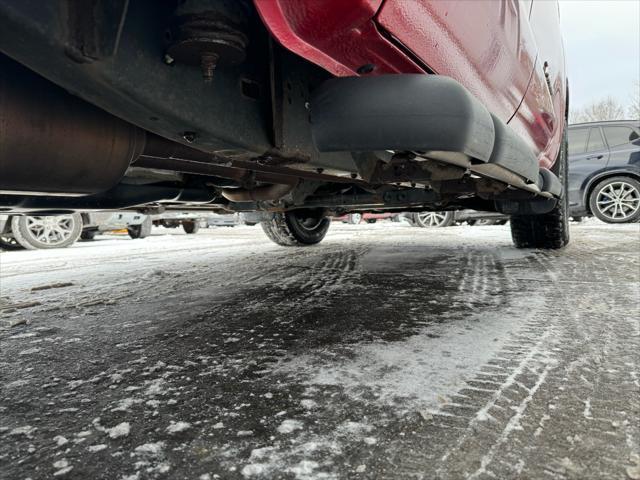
<point x="618" y="201"/>
<point x="432" y="219"/>
<point x="51" y="230"/>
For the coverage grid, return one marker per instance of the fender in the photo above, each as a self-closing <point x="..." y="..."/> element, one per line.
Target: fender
<point x="590" y="182"/>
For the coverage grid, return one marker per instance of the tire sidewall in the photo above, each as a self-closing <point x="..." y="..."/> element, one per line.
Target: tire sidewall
<point x="191" y="227"/>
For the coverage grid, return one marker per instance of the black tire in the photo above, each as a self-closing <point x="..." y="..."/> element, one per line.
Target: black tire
<point x="372" y="220"/>
<point x="433" y="219"/>
<point x="88" y="235"/>
<point x="141" y="231"/>
<point x="191" y="227"/>
<point x="602" y="199"/>
<point x="46" y="232"/>
<point x="296" y="228"/>
<point x="550" y="230"/>
<point x="9" y="243"/>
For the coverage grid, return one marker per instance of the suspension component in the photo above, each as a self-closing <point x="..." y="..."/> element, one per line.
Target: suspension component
<point x="208" y="33"/>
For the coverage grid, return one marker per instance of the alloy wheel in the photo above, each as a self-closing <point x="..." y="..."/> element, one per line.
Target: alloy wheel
<point x="618" y="201"/>
<point x="51" y="230"/>
<point x="433" y="219"/>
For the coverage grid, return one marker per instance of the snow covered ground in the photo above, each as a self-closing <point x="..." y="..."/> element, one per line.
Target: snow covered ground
<point x="385" y="352"/>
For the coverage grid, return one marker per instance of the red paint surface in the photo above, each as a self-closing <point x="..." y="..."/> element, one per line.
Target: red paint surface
<point x="496" y="49"/>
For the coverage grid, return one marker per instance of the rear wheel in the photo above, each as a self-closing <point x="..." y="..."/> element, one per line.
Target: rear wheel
<point x="296" y="228"/>
<point x="549" y="230"/>
<point x="433" y="219"/>
<point x="140" y="231"/>
<point x="88" y="235"/>
<point x="616" y="200"/>
<point x="191" y="227"/>
<point x="43" y="232"/>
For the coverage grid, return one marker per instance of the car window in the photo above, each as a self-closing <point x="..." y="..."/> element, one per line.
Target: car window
<point x="596" y="142"/>
<point x="620" y="135"/>
<point x="578" y="140"/>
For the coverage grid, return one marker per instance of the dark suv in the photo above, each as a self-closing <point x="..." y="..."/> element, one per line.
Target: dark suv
<point x="604" y="170"/>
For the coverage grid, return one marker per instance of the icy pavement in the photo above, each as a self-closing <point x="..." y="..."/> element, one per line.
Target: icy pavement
<point x="386" y="352"/>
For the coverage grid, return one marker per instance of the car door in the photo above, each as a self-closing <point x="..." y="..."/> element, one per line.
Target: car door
<point x="486" y="45"/>
<point x="588" y="154"/>
<point x="624" y="146"/>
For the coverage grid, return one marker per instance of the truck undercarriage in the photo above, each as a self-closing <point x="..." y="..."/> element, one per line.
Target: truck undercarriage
<point x="191" y="105"/>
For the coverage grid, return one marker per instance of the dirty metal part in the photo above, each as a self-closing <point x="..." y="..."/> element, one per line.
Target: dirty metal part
<point x="53" y="143"/>
<point x="257" y="194"/>
<point x="161" y="148"/>
<point x="408" y="168"/>
<point x="240" y="175"/>
<point x="121" y="196"/>
<point x="93" y="28"/>
<point x="388" y="198"/>
<point x="208" y="33"/>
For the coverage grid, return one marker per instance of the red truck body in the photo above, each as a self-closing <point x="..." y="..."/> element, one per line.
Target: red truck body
<point x="507" y="53"/>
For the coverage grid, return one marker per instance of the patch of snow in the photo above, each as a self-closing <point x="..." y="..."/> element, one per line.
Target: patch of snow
<point x="396" y="372"/>
<point x="22" y="335"/>
<point x="289" y="426"/>
<point x="29" y="351"/>
<point x="63" y="463"/>
<point x="156" y="387"/>
<point x="178" y="427"/>
<point x="62" y="467"/>
<point x="308" y="404"/>
<point x="120" y="430"/>
<point x="152" y="449"/>
<point x="60" y="440"/>
<point x="25" y="430"/>
<point x="96" y="448"/>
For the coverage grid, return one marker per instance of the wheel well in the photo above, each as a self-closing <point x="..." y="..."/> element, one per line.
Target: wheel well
<point x="601" y="179"/>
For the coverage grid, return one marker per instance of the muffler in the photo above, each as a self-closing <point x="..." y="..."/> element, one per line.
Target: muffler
<point x="53" y="143"/>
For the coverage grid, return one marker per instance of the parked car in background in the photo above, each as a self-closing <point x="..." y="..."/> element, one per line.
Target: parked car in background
<point x="39" y="232"/>
<point x="35" y="232"/>
<point x="604" y="170"/>
<point x="59" y="231"/>
<point x="222" y="220"/>
<point x="189" y="221"/>
<point x="137" y="224"/>
<point x="446" y="219"/>
<point x="358" y="217"/>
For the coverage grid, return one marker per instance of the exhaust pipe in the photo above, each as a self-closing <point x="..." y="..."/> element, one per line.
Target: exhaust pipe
<point x="258" y="194"/>
<point x="53" y="143"/>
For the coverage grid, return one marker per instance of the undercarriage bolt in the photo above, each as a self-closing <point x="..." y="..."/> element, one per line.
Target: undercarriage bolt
<point x="208" y="63"/>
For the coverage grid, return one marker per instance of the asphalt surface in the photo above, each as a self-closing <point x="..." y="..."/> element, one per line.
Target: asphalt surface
<point x="386" y="352"/>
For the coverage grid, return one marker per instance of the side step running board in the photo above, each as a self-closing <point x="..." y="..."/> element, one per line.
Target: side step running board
<point x="430" y="115"/>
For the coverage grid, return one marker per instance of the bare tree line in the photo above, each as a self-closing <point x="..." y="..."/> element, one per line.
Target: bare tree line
<point x="608" y="109"/>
